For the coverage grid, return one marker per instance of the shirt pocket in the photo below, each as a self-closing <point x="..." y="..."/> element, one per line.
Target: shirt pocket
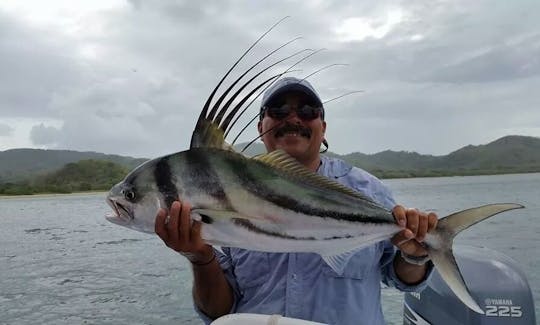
<point x="251" y="268"/>
<point x="360" y="265"/>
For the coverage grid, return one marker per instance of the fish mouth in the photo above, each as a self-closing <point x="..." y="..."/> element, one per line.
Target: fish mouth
<point x="122" y="213"/>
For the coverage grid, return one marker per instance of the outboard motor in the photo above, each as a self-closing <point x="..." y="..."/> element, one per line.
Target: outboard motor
<point x="496" y="283"/>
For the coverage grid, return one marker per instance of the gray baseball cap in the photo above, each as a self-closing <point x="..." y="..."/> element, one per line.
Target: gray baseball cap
<point x="289" y="84"/>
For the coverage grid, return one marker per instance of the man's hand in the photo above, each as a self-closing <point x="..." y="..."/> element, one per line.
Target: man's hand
<point x="211" y="290"/>
<point x="417" y="224"/>
<point x="181" y="235"/>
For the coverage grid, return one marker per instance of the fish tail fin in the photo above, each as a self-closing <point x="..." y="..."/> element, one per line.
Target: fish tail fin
<point x="440" y="246"/>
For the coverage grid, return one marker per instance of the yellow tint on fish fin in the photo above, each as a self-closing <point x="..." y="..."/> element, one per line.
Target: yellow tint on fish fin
<point x="208" y="134"/>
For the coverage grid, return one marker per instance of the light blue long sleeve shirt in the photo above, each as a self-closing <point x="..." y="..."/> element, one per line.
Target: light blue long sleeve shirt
<point x="302" y="285"/>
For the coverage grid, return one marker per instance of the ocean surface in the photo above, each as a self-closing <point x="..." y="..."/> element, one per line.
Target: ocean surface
<point x="61" y="262"/>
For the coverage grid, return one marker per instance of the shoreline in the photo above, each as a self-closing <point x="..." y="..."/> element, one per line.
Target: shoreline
<point x="46" y="195"/>
<point x="456" y="175"/>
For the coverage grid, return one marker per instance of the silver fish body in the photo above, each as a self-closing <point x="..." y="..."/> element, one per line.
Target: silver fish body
<point x="238" y="199"/>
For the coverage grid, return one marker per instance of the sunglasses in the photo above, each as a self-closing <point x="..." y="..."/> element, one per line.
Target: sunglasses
<point x="305" y="113"/>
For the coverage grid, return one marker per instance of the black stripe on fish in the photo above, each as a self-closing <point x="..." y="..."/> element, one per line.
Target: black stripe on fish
<point x="206" y="219"/>
<point x="129" y="185"/>
<point x="206" y="178"/>
<point x="250" y="183"/>
<point x="165" y="182"/>
<point x="251" y="227"/>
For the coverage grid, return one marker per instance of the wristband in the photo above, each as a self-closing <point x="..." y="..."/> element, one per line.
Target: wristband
<point x="205" y="263"/>
<point x="415" y="260"/>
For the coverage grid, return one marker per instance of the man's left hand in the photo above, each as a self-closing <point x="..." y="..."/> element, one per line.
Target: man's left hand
<point x="416" y="225"/>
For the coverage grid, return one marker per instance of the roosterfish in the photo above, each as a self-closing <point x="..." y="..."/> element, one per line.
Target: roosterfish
<point x="271" y="202"/>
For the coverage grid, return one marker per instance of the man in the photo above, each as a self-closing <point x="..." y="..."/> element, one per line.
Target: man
<point x="301" y="285"/>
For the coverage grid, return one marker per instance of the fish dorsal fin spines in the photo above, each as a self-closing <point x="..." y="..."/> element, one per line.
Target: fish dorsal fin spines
<point x="284" y="162"/>
<point x="209" y="135"/>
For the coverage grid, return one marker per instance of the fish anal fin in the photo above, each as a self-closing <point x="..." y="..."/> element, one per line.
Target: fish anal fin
<point x="339" y="262"/>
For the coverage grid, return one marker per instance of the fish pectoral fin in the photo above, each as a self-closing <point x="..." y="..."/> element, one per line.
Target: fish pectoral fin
<point x="218" y="248"/>
<point x="339" y="262"/>
<point x="210" y="215"/>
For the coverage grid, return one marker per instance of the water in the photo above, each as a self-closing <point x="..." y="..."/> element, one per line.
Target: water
<point x="62" y="263"/>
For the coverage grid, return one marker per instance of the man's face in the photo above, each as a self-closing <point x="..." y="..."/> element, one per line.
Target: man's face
<point x="299" y="138"/>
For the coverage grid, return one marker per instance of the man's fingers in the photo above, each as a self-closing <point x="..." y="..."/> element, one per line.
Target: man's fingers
<point x="400" y="215"/>
<point x="185" y="224"/>
<point x="412" y="247"/>
<point x="196" y="238"/>
<point x="417" y="224"/>
<point x="172" y="225"/>
<point x="432" y="221"/>
<point x="176" y="230"/>
<point x="402" y="237"/>
<point x="159" y="225"/>
<point x="403" y="241"/>
<point x="412" y="220"/>
<point x="422" y="227"/>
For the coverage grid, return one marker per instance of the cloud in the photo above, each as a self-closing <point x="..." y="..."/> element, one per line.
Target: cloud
<point x="502" y="62"/>
<point x="5" y="130"/>
<point x="34" y="65"/>
<point x="44" y="135"/>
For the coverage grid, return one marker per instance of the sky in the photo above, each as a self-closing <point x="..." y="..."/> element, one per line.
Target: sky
<point x="130" y="77"/>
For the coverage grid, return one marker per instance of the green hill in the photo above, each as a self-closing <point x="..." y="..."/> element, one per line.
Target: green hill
<point x="510" y="154"/>
<point x="505" y="153"/>
<point x="36" y="171"/>
<point x="20" y="164"/>
<point x="84" y="175"/>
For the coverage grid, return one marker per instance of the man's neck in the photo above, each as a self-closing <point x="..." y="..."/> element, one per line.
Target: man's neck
<point x="312" y="164"/>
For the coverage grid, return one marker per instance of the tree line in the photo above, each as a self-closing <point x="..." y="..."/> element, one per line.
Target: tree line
<point x="84" y="175"/>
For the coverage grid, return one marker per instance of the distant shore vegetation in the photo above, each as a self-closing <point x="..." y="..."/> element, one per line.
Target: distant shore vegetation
<point x="37" y="171"/>
<point x="96" y="175"/>
<point x="81" y="176"/>
<point x="388" y="174"/>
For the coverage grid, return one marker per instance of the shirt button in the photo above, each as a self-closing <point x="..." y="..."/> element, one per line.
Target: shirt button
<point x="294" y="276"/>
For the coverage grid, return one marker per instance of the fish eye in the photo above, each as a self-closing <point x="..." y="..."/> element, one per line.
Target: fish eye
<point x="129" y="194"/>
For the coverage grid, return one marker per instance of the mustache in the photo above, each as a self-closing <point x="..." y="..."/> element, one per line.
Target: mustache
<point x="288" y="127"/>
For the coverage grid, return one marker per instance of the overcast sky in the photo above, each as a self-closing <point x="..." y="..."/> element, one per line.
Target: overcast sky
<point x="130" y="77"/>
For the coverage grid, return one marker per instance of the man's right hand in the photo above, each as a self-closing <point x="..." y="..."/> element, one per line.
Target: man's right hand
<point x="211" y="290"/>
<point x="182" y="235"/>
